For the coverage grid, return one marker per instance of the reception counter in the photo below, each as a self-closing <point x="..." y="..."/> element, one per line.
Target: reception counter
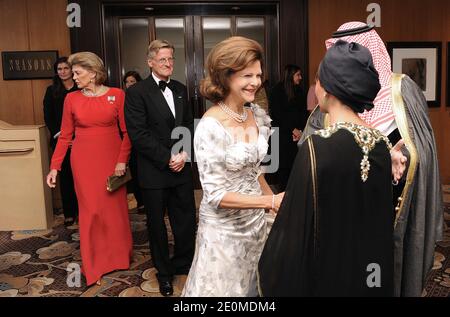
<point x="25" y="198"/>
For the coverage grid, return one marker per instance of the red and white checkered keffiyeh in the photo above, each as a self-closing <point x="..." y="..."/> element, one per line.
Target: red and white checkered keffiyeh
<point x="381" y="116"/>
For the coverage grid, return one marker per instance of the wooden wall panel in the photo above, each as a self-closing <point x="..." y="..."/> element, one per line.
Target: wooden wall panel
<point x="16" y="98"/>
<point x="444" y="114"/>
<point x="46" y="36"/>
<point x="29" y="25"/>
<point x="325" y="16"/>
<point x="401" y="20"/>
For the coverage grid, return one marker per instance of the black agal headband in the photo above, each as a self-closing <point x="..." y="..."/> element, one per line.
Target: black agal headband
<point x="358" y="30"/>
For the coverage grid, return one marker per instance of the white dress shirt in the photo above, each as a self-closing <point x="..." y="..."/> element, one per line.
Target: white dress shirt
<point x="167" y="93"/>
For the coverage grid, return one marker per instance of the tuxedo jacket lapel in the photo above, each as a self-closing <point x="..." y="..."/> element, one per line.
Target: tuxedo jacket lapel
<point x="178" y="101"/>
<point x="160" y="102"/>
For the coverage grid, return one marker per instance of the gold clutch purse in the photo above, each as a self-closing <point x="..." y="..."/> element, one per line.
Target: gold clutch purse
<point x="114" y="182"/>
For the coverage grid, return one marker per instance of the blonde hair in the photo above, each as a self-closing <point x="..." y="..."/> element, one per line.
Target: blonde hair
<point x="156" y="45"/>
<point x="91" y="62"/>
<point x="228" y="57"/>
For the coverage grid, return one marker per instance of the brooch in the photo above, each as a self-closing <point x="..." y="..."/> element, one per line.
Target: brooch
<point x="111" y="99"/>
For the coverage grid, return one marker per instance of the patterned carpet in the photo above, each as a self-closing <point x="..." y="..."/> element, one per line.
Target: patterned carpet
<point x="438" y="281"/>
<point x="34" y="264"/>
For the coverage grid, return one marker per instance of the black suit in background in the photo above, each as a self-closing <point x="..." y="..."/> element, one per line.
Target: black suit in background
<point x="149" y="124"/>
<point x="287" y="115"/>
<point x="53" y="110"/>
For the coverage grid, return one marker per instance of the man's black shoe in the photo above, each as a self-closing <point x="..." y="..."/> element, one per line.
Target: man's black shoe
<point x="165" y="288"/>
<point x="182" y="271"/>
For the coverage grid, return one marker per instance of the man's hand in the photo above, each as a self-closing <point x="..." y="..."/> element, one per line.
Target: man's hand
<point x="296" y="135"/>
<point x="176" y="163"/>
<point x="398" y="161"/>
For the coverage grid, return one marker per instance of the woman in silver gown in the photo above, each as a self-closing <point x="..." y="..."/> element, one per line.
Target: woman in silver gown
<point x="230" y="142"/>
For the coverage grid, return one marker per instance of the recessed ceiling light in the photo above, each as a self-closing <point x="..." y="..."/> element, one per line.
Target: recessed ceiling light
<point x="149" y="8"/>
<point x="235" y="8"/>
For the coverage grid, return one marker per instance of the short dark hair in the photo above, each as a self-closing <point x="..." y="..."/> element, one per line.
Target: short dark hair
<point x="133" y="74"/>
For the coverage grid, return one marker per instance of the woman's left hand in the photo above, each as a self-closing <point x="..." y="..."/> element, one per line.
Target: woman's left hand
<point x="120" y="169"/>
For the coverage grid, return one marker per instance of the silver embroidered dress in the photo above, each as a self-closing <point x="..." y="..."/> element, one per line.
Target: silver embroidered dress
<point x="229" y="241"/>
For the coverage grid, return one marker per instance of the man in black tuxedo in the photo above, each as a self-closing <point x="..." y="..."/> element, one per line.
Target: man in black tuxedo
<point x="153" y="108"/>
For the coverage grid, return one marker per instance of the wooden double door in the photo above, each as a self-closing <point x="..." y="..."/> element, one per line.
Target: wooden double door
<point x="193" y="30"/>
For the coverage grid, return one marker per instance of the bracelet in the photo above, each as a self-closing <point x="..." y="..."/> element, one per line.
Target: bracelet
<point x="273" y="201"/>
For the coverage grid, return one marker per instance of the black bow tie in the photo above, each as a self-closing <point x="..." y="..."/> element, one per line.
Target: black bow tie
<point x="163" y="84"/>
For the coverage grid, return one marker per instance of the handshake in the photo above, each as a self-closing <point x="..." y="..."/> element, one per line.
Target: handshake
<point x="296" y="135"/>
<point x="177" y="161"/>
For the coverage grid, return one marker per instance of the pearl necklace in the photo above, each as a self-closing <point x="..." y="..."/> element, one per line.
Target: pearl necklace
<point x="236" y="116"/>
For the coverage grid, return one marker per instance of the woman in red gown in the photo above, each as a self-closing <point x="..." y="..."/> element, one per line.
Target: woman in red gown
<point x="94" y="114"/>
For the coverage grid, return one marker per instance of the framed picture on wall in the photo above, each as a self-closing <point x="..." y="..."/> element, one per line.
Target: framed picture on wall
<point x="28" y="64"/>
<point x="422" y="62"/>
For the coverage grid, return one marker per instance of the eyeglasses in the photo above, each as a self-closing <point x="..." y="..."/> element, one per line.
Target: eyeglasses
<point x="163" y="61"/>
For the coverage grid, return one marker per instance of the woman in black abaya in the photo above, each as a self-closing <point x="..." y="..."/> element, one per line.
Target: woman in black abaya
<point x="333" y="233"/>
